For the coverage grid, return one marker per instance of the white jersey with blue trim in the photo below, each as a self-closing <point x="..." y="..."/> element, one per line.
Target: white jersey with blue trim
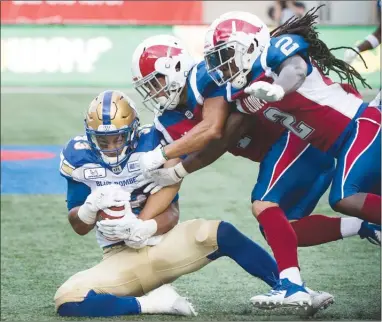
<point x="81" y="166"/>
<point x="175" y="123"/>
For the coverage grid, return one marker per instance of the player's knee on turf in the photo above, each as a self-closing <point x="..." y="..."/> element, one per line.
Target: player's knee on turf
<point x="259" y="206"/>
<point x="69" y="293"/>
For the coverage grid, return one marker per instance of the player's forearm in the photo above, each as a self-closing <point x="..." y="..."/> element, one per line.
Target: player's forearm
<point x="372" y="41"/>
<point x="196" y="139"/>
<point x="168" y="219"/>
<point x="157" y="203"/>
<point x="237" y="124"/>
<point x="77" y="224"/>
<point x="215" y="114"/>
<point x="162" y="201"/>
<point x="292" y="74"/>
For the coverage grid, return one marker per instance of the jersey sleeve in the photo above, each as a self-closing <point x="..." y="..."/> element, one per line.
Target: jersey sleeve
<point x="75" y="154"/>
<point x="76" y="194"/>
<point x="149" y="138"/>
<point x="284" y="47"/>
<point x="206" y="85"/>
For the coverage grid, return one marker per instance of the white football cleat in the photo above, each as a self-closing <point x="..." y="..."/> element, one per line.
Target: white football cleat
<point x="165" y="300"/>
<point x="320" y="301"/>
<point x="284" y="294"/>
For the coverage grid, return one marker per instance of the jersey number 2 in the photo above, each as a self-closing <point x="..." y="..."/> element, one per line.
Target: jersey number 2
<point x="287" y="46"/>
<point x="302" y="130"/>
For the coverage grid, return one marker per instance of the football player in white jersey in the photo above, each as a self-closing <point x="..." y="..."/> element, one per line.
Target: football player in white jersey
<point x="145" y="249"/>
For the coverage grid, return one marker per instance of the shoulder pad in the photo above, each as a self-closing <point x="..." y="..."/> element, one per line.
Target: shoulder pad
<point x="144" y="129"/>
<point x="205" y="84"/>
<point x="75" y="154"/>
<point x="149" y="139"/>
<point x="285" y="46"/>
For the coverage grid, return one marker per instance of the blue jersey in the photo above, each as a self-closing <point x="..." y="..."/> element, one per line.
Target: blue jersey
<point x="79" y="164"/>
<point x="267" y="65"/>
<point x="175" y="123"/>
<point x="85" y="172"/>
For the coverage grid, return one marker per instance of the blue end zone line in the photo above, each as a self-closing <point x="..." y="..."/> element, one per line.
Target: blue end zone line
<point x="39" y="176"/>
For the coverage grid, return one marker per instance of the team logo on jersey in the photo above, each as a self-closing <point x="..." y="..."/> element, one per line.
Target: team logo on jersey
<point x="95" y="173"/>
<point x="189" y="115"/>
<point x="244" y="142"/>
<point x="252" y="104"/>
<point x="133" y="166"/>
<point x="117" y="169"/>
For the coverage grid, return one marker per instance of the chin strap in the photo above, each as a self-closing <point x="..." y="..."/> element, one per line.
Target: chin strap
<point x="114" y="161"/>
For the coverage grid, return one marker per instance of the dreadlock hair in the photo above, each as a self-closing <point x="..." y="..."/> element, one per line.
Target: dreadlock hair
<point x="318" y="50"/>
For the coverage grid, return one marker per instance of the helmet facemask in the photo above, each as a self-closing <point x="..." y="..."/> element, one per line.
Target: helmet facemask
<point x="230" y="62"/>
<point x="158" y="93"/>
<point x="122" y="141"/>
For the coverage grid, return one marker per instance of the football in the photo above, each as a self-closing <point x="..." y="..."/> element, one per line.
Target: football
<point x="111" y="213"/>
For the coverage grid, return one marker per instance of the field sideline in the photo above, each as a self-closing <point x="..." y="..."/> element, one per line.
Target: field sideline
<point x="39" y="250"/>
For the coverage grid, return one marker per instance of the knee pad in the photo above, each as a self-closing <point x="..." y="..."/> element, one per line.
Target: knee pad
<point x="69" y="293"/>
<point x="206" y="233"/>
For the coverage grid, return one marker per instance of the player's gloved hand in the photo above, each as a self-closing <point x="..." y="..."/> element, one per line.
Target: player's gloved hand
<point x="265" y="91"/>
<point x="350" y="55"/>
<point x="141" y="234"/>
<point x="136" y="244"/>
<point x="152" y="160"/>
<point x="165" y="177"/>
<point x="119" y="229"/>
<point x="102" y="198"/>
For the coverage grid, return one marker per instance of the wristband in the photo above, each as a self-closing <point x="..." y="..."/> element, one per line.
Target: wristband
<point x="180" y="171"/>
<point x="373" y="40"/>
<point x="87" y="216"/>
<point x="164" y="155"/>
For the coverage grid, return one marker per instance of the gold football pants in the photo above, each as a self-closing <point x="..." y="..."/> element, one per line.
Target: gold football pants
<point x="124" y="271"/>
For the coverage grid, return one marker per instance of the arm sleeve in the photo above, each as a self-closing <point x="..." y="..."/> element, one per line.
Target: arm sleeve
<point x="77" y="192"/>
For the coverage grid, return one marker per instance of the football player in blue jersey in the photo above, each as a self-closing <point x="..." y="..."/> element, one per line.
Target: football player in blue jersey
<point x="145" y="249"/>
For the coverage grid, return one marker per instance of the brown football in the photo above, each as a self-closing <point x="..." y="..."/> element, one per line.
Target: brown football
<point x="111" y="213"/>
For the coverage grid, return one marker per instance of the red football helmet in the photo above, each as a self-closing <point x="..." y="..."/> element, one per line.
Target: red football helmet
<point x="157" y="57"/>
<point x="231" y="46"/>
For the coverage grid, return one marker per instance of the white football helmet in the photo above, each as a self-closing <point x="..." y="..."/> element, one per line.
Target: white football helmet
<point x="235" y="37"/>
<point x="161" y="56"/>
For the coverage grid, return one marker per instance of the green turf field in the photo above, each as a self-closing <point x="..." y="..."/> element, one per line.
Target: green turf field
<point x="39" y="250"/>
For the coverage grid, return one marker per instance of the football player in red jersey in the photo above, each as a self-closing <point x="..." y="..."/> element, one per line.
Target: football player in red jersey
<point x="327" y="115"/>
<point x="150" y="78"/>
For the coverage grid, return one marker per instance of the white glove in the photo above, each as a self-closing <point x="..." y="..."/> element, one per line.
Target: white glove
<point x="136" y="244"/>
<point x="102" y="198"/>
<point x="350" y="55"/>
<point x="165" y="177"/>
<point x="118" y="229"/>
<point x="141" y="234"/>
<point x="152" y="160"/>
<point x="265" y="91"/>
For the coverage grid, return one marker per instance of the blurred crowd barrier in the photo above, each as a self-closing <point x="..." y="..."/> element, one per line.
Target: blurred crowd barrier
<point x="188" y="12"/>
<point x="90" y="43"/>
